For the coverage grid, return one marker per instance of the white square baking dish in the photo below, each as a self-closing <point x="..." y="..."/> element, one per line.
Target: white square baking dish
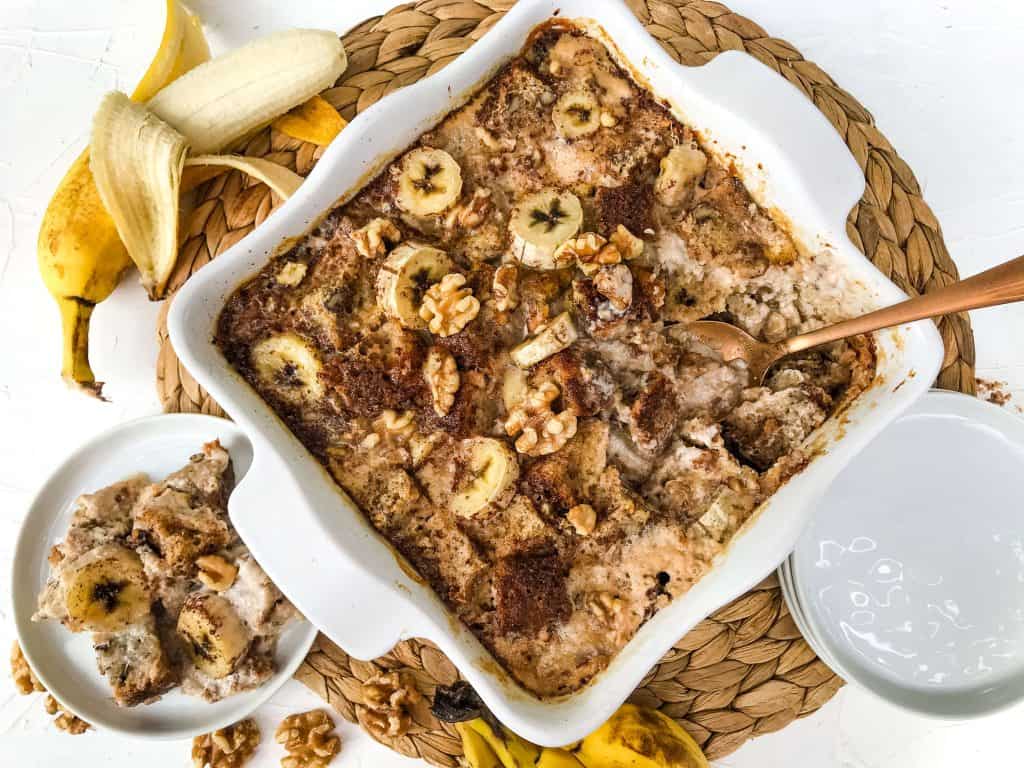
<point x="316" y="544"/>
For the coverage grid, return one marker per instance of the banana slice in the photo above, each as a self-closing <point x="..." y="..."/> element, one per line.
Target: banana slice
<point x="557" y="334"/>
<point x="540" y="223"/>
<point x="430" y="182"/>
<point x="576" y="114"/>
<point x="513" y="387"/>
<point x="491" y="471"/>
<point x="108" y="593"/>
<point x="404" y="278"/>
<point x="290" y="365"/>
<point x="681" y="166"/>
<point x="215" y="637"/>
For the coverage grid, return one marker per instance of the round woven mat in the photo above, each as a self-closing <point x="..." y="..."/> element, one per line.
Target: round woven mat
<point x="746" y="670"/>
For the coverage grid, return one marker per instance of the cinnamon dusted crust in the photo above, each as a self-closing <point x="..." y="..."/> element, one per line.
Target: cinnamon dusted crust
<point x="636" y="453"/>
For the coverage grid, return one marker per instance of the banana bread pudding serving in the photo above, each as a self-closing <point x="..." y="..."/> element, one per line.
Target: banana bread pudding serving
<point x="487" y="348"/>
<point x="158" y="575"/>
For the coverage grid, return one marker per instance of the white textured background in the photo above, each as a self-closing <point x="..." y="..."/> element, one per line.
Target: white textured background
<point x="943" y="79"/>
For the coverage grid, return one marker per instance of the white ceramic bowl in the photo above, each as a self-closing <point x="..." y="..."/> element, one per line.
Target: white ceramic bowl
<point x="910" y="579"/>
<point x="65" y="662"/>
<point x="789" y="156"/>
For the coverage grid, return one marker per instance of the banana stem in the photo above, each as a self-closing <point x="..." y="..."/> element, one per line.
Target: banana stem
<point x="75" y="315"/>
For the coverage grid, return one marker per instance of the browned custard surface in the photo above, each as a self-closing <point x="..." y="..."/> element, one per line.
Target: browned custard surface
<point x="487" y="348"/>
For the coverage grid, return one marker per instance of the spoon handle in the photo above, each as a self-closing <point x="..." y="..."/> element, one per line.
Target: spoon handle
<point x="1000" y="285"/>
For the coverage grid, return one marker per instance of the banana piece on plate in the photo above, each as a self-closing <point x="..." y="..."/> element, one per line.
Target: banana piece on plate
<point x="683" y="165"/>
<point x="557" y="334"/>
<point x="430" y="181"/>
<point x="289" y="364"/>
<point x="489" y="481"/>
<point x="214" y="636"/>
<point x="108" y="592"/>
<point x="641" y="737"/>
<point x="404" y="278"/>
<point x="540" y="223"/>
<point x="576" y="114"/>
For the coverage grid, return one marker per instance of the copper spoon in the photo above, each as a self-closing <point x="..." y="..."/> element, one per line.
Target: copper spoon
<point x="999" y="285"/>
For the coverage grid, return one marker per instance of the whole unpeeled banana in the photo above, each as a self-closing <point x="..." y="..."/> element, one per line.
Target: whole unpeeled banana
<point x="81" y="258"/>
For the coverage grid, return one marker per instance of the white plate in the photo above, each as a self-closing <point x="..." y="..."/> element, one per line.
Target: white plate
<point x="911" y="576"/>
<point x="64" y="662"/>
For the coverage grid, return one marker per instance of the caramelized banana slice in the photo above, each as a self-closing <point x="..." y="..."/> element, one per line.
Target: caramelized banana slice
<point x="430" y="182"/>
<point x="540" y="223"/>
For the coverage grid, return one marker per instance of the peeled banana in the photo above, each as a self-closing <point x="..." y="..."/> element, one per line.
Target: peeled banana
<point x="403" y="279"/>
<point x="108" y="592"/>
<point x="288" y="364"/>
<point x="429" y="182"/>
<point x="225" y="99"/>
<point x="490" y="477"/>
<point x="80" y="255"/>
<point x="541" y="222"/>
<point x="215" y="637"/>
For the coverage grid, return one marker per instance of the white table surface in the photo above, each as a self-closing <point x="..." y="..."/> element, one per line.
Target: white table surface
<point x="942" y="78"/>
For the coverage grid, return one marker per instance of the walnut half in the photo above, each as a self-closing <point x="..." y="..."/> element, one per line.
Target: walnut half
<point x="372" y="240"/>
<point x="25" y="679"/>
<point x="442" y="376"/>
<point x="449" y="306"/>
<point x="540" y="430"/>
<point x="215" y="572"/>
<point x="309" y="739"/>
<point x="227" y="747"/>
<point x="388" y="699"/>
<point x="65" y="721"/>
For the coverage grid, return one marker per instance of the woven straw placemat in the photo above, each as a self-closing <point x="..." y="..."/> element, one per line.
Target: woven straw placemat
<point x="746" y="670"/>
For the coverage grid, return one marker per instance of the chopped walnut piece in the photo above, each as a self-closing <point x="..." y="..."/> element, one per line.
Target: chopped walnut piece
<point x="394" y="423"/>
<point x="372" y="240"/>
<point x="470" y="213"/>
<point x="583" y="519"/>
<point x="388" y="698"/>
<point x="628" y="244"/>
<point x="309" y="739"/>
<point x="506" y="288"/>
<point x="227" y="747"/>
<point x="215" y="572"/>
<point x="449" y="305"/>
<point x="587" y="251"/>
<point x="615" y="283"/>
<point x="442" y="376"/>
<point x="25" y="679"/>
<point x="541" y="431"/>
<point x="65" y="721"/>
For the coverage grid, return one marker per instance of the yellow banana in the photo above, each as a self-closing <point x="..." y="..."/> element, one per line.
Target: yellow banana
<point x="511" y="751"/>
<point x="557" y="758"/>
<point x="476" y="750"/>
<point x="81" y="258"/>
<point x="638" y="737"/>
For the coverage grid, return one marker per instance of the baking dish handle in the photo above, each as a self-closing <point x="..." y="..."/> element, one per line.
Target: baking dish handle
<point x="350" y="601"/>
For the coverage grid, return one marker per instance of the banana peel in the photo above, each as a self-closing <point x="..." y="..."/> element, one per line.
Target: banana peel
<point x="557" y="758"/>
<point x="512" y="751"/>
<point x="80" y="255"/>
<point x="475" y="748"/>
<point x="315" y="121"/>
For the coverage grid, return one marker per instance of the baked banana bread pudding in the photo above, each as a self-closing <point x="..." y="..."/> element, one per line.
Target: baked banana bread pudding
<point x="157" y="574"/>
<point x="487" y="348"/>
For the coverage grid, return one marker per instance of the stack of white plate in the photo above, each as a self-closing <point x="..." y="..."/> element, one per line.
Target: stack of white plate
<point x="910" y="580"/>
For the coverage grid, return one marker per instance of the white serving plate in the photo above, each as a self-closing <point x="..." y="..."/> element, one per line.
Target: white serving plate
<point x="910" y="578"/>
<point x="791" y="159"/>
<point x="65" y="662"/>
